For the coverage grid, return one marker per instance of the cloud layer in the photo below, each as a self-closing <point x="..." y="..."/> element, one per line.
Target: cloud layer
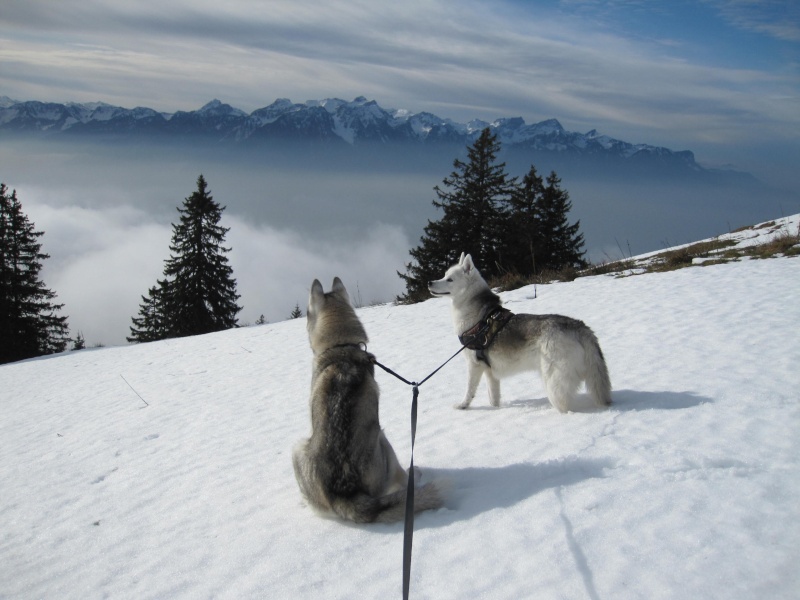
<point x="106" y="259"/>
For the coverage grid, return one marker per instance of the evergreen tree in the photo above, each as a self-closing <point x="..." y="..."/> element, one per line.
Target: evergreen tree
<point x="79" y="343"/>
<point x="261" y="320"/>
<point x="29" y="323"/>
<point x="472" y="199"/>
<point x="198" y="293"/>
<point x="296" y="313"/>
<point x="153" y="319"/>
<point x="523" y="231"/>
<point x="560" y="244"/>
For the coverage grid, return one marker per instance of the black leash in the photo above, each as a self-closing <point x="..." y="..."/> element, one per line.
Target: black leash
<point x="408" y="531"/>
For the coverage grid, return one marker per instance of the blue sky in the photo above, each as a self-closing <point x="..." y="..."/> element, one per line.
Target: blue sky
<point x="721" y="78"/>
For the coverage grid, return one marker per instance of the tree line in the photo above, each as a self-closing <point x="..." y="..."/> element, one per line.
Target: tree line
<point x="509" y="226"/>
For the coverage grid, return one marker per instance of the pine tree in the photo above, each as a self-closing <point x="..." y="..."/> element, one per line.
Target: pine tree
<point x="523" y="232"/>
<point x="472" y="199"/>
<point x="152" y="323"/>
<point x="198" y="293"/>
<point x="296" y="313"/>
<point x="79" y="343"/>
<point x="29" y="323"/>
<point x="560" y="243"/>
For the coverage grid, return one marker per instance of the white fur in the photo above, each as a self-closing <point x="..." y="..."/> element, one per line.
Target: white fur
<point x="564" y="350"/>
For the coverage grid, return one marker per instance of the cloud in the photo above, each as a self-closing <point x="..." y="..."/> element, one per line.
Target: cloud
<point x="777" y="18"/>
<point x="102" y="260"/>
<point x="462" y="61"/>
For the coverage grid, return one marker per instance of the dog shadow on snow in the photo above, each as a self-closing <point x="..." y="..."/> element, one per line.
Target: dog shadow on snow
<point x="471" y="491"/>
<point x="622" y="401"/>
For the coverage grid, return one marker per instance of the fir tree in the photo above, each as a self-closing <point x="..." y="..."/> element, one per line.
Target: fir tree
<point x="29" y="323"/>
<point x="153" y="319"/>
<point x="198" y="293"/>
<point x="472" y="199"/>
<point x="560" y="244"/>
<point x="523" y="232"/>
<point x="79" y="343"/>
<point x="296" y="313"/>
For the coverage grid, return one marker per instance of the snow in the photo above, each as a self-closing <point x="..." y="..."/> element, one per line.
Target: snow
<point x="746" y="236"/>
<point x="163" y="470"/>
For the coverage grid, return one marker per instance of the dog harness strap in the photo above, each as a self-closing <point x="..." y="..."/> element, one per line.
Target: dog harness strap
<point x="482" y="334"/>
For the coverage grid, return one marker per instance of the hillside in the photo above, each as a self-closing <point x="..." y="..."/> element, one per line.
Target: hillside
<point x="163" y="470"/>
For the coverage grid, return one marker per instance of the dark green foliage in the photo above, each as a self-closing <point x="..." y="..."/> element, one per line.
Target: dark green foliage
<point x="153" y="319"/>
<point x="198" y="293"/>
<point x="473" y="200"/>
<point x="296" y="313"/>
<point x="523" y="242"/>
<point x="79" y="343"/>
<point x="510" y="228"/>
<point x="29" y="323"/>
<point x="563" y="242"/>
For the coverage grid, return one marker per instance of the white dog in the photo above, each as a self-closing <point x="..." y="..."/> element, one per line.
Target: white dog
<point x="564" y="350"/>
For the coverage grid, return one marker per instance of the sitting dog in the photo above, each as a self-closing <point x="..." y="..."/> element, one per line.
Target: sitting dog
<point x="347" y="467"/>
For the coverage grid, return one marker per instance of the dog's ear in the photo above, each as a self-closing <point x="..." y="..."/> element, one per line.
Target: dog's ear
<point x="461" y="260"/>
<point x="316" y="296"/>
<point x="467" y="264"/>
<point x="339" y="289"/>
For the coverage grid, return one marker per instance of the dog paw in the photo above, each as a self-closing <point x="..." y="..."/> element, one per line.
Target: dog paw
<point x="461" y="406"/>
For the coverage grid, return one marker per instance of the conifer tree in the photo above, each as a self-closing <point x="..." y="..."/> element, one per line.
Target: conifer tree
<point x="152" y="322"/>
<point x="198" y="293"/>
<point x="523" y="231"/>
<point x="296" y="312"/>
<point x="472" y="199"/>
<point x="29" y="323"/>
<point x="561" y="244"/>
<point x="79" y="343"/>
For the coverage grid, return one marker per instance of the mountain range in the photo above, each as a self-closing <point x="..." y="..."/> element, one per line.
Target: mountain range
<point x="359" y="123"/>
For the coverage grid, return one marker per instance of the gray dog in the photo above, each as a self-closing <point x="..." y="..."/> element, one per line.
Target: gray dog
<point x="564" y="350"/>
<point x="347" y="467"/>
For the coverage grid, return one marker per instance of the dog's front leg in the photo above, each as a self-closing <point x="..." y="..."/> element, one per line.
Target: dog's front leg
<point x="474" y="372"/>
<point x="494" y="388"/>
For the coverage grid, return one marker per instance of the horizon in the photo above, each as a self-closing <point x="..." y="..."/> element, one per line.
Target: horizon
<point x="714" y="77"/>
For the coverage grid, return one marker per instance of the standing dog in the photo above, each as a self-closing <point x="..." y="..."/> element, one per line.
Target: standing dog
<point x="347" y="466"/>
<point x="563" y="350"/>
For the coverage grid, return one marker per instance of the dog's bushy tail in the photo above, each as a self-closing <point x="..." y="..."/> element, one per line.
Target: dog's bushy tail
<point x="362" y="508"/>
<point x="598" y="383"/>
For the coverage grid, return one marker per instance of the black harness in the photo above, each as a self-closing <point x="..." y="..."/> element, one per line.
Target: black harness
<point x="482" y="334"/>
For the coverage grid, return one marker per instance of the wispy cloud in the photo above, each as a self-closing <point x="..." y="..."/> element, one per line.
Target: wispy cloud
<point x="777" y="18"/>
<point x="466" y="60"/>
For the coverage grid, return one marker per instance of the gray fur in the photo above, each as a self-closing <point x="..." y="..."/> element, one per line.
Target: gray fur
<point x="564" y="350"/>
<point x="347" y="467"/>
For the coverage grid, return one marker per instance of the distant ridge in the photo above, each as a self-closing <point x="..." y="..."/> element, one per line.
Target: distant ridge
<point x="333" y="120"/>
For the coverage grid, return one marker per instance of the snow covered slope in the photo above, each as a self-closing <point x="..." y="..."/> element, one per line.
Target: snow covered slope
<point x="163" y="470"/>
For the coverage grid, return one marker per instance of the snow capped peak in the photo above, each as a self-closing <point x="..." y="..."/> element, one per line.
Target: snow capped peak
<point x="211" y="105"/>
<point x="217" y="108"/>
<point x="548" y="126"/>
<point x="357" y="121"/>
<point x="5" y="102"/>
